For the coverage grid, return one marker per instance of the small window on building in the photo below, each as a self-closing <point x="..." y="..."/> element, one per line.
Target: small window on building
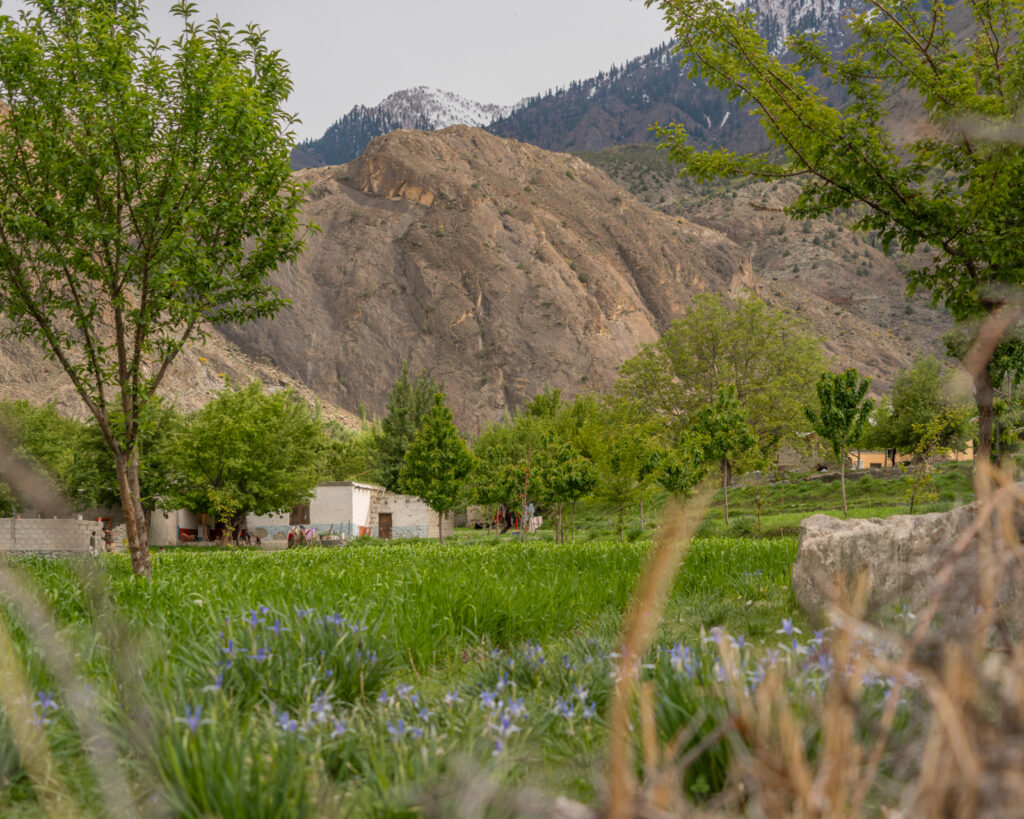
<point x="299" y="515"/>
<point x="875" y="465"/>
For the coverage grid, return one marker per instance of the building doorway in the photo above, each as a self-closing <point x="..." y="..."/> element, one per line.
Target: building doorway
<point x="384" y="525"/>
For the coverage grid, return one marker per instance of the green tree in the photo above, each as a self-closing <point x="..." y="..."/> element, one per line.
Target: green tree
<point x="51" y="444"/>
<point x="843" y="410"/>
<point x="953" y="187"/>
<point x="563" y="475"/>
<point x="437" y="462"/>
<point x="682" y="467"/>
<point x="722" y="435"/>
<point x="768" y="357"/>
<point x="247" y="452"/>
<point x="348" y="454"/>
<point x="408" y="404"/>
<point x="621" y="449"/>
<point x="924" y="391"/>
<point x="160" y="429"/>
<point x="145" y="193"/>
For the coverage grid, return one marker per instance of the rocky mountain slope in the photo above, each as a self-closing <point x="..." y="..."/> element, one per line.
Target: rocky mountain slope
<point x="495" y="265"/>
<point x="616" y="107"/>
<point x="853" y="293"/>
<point x="421" y="109"/>
<point x="499" y="268"/>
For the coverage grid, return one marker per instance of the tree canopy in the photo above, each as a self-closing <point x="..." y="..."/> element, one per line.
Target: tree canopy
<point x="843" y="410"/>
<point x="145" y="193"/>
<point x="246" y="452"/>
<point x="952" y="187"/>
<point x="919" y="394"/>
<point x="409" y="402"/>
<point x="766" y="356"/>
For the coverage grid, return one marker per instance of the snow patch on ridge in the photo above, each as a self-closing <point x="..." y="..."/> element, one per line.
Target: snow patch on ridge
<point x="435" y="109"/>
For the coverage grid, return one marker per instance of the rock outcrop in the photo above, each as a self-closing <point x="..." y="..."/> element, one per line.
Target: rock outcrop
<point x="901" y="558"/>
<point x="496" y="266"/>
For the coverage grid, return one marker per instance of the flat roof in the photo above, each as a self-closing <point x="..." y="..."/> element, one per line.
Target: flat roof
<point x="350" y="483"/>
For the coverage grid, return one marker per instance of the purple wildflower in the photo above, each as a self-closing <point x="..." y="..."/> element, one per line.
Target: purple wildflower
<point x="193" y="718"/>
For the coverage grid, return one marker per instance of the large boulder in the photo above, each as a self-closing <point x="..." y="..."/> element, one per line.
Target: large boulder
<point x="900" y="558"/>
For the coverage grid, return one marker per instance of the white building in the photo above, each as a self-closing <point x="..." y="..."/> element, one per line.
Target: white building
<point x="353" y="509"/>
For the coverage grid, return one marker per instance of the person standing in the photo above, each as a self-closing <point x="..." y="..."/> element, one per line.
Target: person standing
<point x="93" y="544"/>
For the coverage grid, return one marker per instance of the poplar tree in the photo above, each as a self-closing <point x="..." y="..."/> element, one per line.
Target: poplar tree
<point x="843" y="411"/>
<point x="437" y="462"/>
<point x="722" y="434"/>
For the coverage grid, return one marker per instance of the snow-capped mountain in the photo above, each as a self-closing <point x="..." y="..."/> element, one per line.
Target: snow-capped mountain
<point x="420" y="109"/>
<point x="440" y="108"/>
<point x="616" y="107"/>
<point x="778" y="19"/>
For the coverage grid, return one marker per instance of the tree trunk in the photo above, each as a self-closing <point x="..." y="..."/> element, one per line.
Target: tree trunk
<point x="127" y="467"/>
<point x="842" y="481"/>
<point x="984" y="397"/>
<point x="572" y="520"/>
<point x="725" y="487"/>
<point x="559" y="532"/>
<point x="440" y="526"/>
<point x="642" y="521"/>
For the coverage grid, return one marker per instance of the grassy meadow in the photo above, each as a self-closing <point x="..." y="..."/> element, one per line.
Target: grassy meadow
<point x="405" y="677"/>
<point x="369" y="676"/>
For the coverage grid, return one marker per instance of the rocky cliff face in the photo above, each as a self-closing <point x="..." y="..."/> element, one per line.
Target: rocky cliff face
<point x="840" y="281"/>
<point x="494" y="265"/>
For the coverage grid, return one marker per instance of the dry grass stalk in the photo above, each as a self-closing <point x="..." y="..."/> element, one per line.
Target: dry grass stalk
<point x="29" y="738"/>
<point x="82" y="701"/>
<point x="677" y="529"/>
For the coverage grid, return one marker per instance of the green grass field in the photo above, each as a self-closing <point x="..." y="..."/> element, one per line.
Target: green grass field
<point x="784" y="504"/>
<point x="377" y="671"/>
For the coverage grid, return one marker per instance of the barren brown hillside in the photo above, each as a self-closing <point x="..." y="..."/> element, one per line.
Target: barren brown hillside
<point x="496" y="266"/>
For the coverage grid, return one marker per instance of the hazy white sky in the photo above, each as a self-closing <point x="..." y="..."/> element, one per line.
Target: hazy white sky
<point x="356" y="52"/>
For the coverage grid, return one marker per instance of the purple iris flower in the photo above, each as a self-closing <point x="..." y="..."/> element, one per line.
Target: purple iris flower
<point x="339" y="729"/>
<point x="254" y="620"/>
<point x="505" y="727"/>
<point x="516" y="708"/>
<point x="277" y="628"/>
<point x="193" y="718"/>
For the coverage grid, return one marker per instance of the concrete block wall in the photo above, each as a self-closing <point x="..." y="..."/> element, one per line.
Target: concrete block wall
<point x="412" y="517"/>
<point x="45" y="535"/>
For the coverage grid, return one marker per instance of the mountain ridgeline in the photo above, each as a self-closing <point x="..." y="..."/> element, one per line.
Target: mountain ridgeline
<point x="617" y="107"/>
<point x="416" y="109"/>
